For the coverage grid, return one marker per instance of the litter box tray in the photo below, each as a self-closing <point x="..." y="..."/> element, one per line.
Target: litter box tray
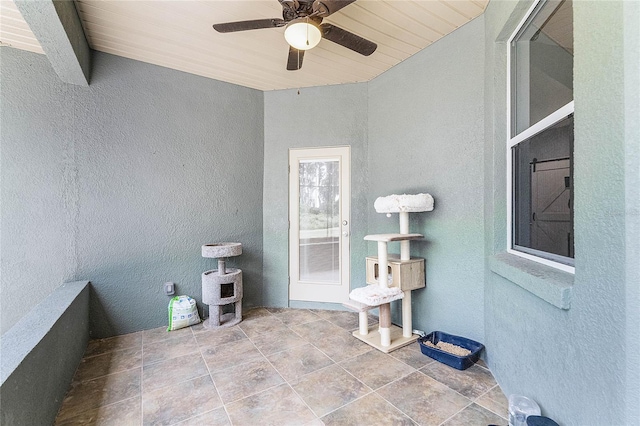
<point x="455" y="361"/>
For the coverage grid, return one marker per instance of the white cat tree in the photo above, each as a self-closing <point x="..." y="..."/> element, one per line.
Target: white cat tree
<point x="391" y="278"/>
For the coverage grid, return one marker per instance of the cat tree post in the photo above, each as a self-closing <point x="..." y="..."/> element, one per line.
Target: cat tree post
<point x="407" y="322"/>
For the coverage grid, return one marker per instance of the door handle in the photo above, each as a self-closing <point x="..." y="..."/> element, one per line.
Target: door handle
<point x="345" y="234"/>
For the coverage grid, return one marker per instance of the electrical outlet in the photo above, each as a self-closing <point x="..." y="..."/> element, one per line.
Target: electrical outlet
<point x="169" y="289"/>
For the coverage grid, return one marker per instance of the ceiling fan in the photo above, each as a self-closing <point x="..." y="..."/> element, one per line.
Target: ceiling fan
<point x="304" y="28"/>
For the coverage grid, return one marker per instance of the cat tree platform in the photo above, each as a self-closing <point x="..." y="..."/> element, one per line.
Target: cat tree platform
<point x="369" y="334"/>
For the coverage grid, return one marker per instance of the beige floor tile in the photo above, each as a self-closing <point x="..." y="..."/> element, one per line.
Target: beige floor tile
<point x="343" y="317"/>
<point x="126" y="341"/>
<point x="346" y="320"/>
<point x="173" y="348"/>
<point x="474" y="415"/>
<point x="298" y="361"/>
<point x="108" y="363"/>
<point x="231" y="354"/>
<point x="314" y="330"/>
<point x="341" y="346"/>
<point x="160" y="334"/>
<point x="277" y="341"/>
<point x="253" y="314"/>
<point x="472" y="382"/>
<point x="329" y="389"/>
<point x="276" y="310"/>
<point x="171" y="371"/>
<point x="412" y="355"/>
<point x="495" y="400"/>
<point x="199" y="328"/>
<point x="246" y="379"/>
<point x="425" y="400"/>
<point x="279" y="406"/>
<point x="127" y="412"/>
<point x="105" y="390"/>
<point x="217" y="417"/>
<point x="213" y="338"/>
<point x="278" y="366"/>
<point x="181" y="401"/>
<point x="376" y="369"/>
<point x="261" y="325"/>
<point x="369" y="410"/>
<point x="324" y="313"/>
<point x="296" y="316"/>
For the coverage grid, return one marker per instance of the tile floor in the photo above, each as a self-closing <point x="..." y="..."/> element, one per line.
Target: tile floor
<point x="277" y="367"/>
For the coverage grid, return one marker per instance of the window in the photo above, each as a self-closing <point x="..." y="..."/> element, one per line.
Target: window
<point x="540" y="135"/>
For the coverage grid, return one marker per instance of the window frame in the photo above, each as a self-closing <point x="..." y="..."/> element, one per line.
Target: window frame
<point x="550" y="120"/>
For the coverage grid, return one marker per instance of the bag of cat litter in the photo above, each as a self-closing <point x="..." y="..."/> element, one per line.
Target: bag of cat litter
<point x="183" y="312"/>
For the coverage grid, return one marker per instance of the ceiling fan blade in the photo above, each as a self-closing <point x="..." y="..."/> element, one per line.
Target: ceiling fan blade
<point x="294" y="62"/>
<point x="325" y="8"/>
<point x="256" y="24"/>
<point x="348" y="39"/>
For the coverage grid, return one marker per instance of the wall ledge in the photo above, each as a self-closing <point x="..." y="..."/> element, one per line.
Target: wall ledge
<point x="549" y="284"/>
<point x="18" y="342"/>
<point x="40" y="354"/>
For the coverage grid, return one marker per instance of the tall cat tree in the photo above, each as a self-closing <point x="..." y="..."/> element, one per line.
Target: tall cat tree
<point x="391" y="278"/>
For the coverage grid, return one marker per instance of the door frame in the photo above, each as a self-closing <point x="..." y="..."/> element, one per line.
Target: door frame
<point x="310" y="291"/>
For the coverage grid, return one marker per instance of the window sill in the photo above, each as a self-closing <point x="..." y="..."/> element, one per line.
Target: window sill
<point x="549" y="284"/>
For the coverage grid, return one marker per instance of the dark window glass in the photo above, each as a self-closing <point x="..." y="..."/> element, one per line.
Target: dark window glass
<point x="543" y="193"/>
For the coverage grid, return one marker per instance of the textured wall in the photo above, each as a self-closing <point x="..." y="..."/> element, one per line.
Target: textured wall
<point x="40" y="355"/>
<point x="572" y="362"/>
<point x="320" y="116"/>
<point x="406" y="134"/>
<point x="122" y="182"/>
<point x="425" y="135"/>
<point x="631" y="28"/>
<point x="37" y="165"/>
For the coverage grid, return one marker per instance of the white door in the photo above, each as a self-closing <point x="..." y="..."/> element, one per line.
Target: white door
<point x="319" y="194"/>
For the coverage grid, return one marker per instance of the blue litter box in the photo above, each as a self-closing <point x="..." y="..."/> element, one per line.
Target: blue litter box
<point x="455" y="361"/>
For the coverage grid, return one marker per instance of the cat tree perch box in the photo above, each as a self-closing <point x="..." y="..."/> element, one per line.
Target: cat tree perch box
<point x="405" y="274"/>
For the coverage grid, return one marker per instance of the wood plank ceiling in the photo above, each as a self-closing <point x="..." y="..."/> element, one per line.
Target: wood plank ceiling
<point x="179" y="35"/>
<point x="14" y="31"/>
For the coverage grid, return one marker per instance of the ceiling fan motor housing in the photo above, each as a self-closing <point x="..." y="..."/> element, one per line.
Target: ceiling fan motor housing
<point x="303" y="22"/>
<point x="292" y="9"/>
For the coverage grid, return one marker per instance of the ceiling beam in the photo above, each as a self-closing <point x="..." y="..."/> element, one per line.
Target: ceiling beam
<point x="56" y="25"/>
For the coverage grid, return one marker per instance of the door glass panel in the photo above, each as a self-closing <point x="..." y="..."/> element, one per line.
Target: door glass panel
<point x="319" y="210"/>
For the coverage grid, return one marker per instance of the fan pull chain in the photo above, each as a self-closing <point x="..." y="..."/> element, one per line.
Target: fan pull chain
<point x="307" y="30"/>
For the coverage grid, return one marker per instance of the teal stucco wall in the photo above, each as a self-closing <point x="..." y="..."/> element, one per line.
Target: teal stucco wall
<point x="576" y="363"/>
<point x="425" y="135"/>
<point x="418" y="127"/>
<point x="123" y="182"/>
<point x="314" y="117"/>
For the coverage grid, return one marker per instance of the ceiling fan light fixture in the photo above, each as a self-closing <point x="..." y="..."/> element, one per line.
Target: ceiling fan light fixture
<point x="302" y="34"/>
